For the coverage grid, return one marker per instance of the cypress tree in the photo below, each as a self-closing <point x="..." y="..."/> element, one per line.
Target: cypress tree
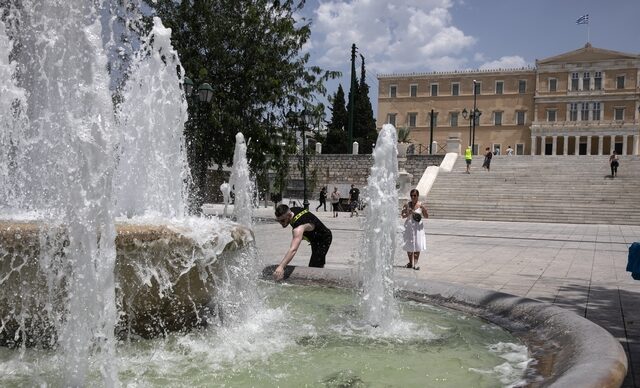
<point x="364" y="126"/>
<point x="336" y="142"/>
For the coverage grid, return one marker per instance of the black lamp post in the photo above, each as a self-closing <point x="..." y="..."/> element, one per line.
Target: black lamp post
<point x="472" y="117"/>
<point x="305" y="116"/>
<point x="476" y="115"/>
<point x="465" y="114"/>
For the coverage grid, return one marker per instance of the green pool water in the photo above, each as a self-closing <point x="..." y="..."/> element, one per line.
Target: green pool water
<point x="307" y="337"/>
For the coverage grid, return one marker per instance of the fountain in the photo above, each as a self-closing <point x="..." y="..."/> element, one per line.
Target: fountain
<point x="562" y="349"/>
<point x="93" y="236"/>
<point x="378" y="248"/>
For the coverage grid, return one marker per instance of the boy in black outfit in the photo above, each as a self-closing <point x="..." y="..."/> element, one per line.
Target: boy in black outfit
<point x="305" y="226"/>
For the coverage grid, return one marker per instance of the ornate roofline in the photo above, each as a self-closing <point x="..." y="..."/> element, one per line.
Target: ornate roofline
<point x="458" y="72"/>
<point x="588" y="48"/>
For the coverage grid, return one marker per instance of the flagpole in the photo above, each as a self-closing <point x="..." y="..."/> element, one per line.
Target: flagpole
<point x="588" y="26"/>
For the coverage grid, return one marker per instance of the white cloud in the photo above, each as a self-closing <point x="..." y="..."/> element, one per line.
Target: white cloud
<point x="508" y="62"/>
<point x="394" y="36"/>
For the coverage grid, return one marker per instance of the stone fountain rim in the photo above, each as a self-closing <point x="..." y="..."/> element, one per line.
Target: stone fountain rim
<point x="569" y="350"/>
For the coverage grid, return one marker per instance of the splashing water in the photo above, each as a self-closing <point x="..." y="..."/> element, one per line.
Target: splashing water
<point x="68" y="167"/>
<point x="152" y="167"/>
<point x="64" y="170"/>
<point x="237" y="296"/>
<point x="380" y="232"/>
<point x="12" y="123"/>
<point x="241" y="184"/>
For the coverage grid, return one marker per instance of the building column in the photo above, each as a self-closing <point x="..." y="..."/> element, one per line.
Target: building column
<point x="636" y="144"/>
<point x="566" y="145"/>
<point x="577" y="150"/>
<point x="600" y="144"/>
<point x="533" y="145"/>
<point x="554" y="145"/>
<point x="543" y="148"/>
<point x="624" y="144"/>
<point x="588" y="145"/>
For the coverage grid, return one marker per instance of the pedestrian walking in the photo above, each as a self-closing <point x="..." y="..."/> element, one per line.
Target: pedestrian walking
<point x="487" y="159"/>
<point x="335" y="201"/>
<point x="614" y="162"/>
<point x="354" y="197"/>
<point x="467" y="158"/>
<point x="323" y="198"/>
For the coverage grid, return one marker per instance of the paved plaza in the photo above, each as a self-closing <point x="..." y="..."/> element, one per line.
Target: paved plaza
<point x="577" y="267"/>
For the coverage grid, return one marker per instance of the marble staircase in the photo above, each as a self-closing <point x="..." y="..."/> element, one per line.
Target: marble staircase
<point x="559" y="189"/>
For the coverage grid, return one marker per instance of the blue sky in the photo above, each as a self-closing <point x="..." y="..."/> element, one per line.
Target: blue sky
<point x="398" y="36"/>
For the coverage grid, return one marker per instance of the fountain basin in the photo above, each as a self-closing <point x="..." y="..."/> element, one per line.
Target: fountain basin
<point x="164" y="278"/>
<point x="570" y="351"/>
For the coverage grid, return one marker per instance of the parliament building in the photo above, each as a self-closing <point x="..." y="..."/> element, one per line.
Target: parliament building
<point x="584" y="102"/>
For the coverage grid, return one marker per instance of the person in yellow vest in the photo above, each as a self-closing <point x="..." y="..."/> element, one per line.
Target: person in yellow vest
<point x="467" y="158"/>
<point x="305" y="226"/>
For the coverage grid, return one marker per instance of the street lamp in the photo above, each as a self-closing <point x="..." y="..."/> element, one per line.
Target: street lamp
<point x="472" y="117"/>
<point x="205" y="91"/>
<point x="465" y="114"/>
<point x="476" y="114"/>
<point x="306" y="118"/>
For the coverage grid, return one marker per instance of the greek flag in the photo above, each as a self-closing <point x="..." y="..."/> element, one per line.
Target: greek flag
<point x="584" y="19"/>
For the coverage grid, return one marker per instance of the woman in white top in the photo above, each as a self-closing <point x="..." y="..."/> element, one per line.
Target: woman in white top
<point x="335" y="201"/>
<point x="415" y="240"/>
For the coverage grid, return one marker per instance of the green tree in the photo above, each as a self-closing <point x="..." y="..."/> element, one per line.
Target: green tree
<point x="249" y="51"/>
<point x="336" y="142"/>
<point x="364" y="124"/>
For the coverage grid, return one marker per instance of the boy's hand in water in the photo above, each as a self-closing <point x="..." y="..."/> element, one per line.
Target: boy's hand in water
<point x="278" y="274"/>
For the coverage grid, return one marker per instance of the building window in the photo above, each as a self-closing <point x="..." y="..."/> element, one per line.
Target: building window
<point x="435" y="119"/>
<point x="455" y="89"/>
<point x="597" y="81"/>
<point x="434" y="90"/>
<point x="412" y="118"/>
<point x="618" y="114"/>
<point x="520" y="117"/>
<point x="573" y="111"/>
<point x="391" y="118"/>
<point x="553" y="84"/>
<point x="478" y="88"/>
<point x="392" y="91"/>
<point x="522" y="86"/>
<point x="574" y="81"/>
<point x="596" y="111"/>
<point x="519" y="149"/>
<point x="586" y="81"/>
<point x="584" y="114"/>
<point x="413" y="90"/>
<point x="620" y="82"/>
<point x="551" y="115"/>
<point x="453" y="119"/>
<point x="497" y="118"/>
<point x="499" y="87"/>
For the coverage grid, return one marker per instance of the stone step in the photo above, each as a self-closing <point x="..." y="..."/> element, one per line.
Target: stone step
<point x="573" y="189"/>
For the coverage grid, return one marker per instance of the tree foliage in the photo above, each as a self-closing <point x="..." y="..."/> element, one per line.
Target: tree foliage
<point x="249" y="51"/>
<point x="336" y="141"/>
<point x="364" y="125"/>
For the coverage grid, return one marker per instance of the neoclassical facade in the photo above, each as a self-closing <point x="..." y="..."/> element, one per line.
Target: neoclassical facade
<point x="584" y="102"/>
